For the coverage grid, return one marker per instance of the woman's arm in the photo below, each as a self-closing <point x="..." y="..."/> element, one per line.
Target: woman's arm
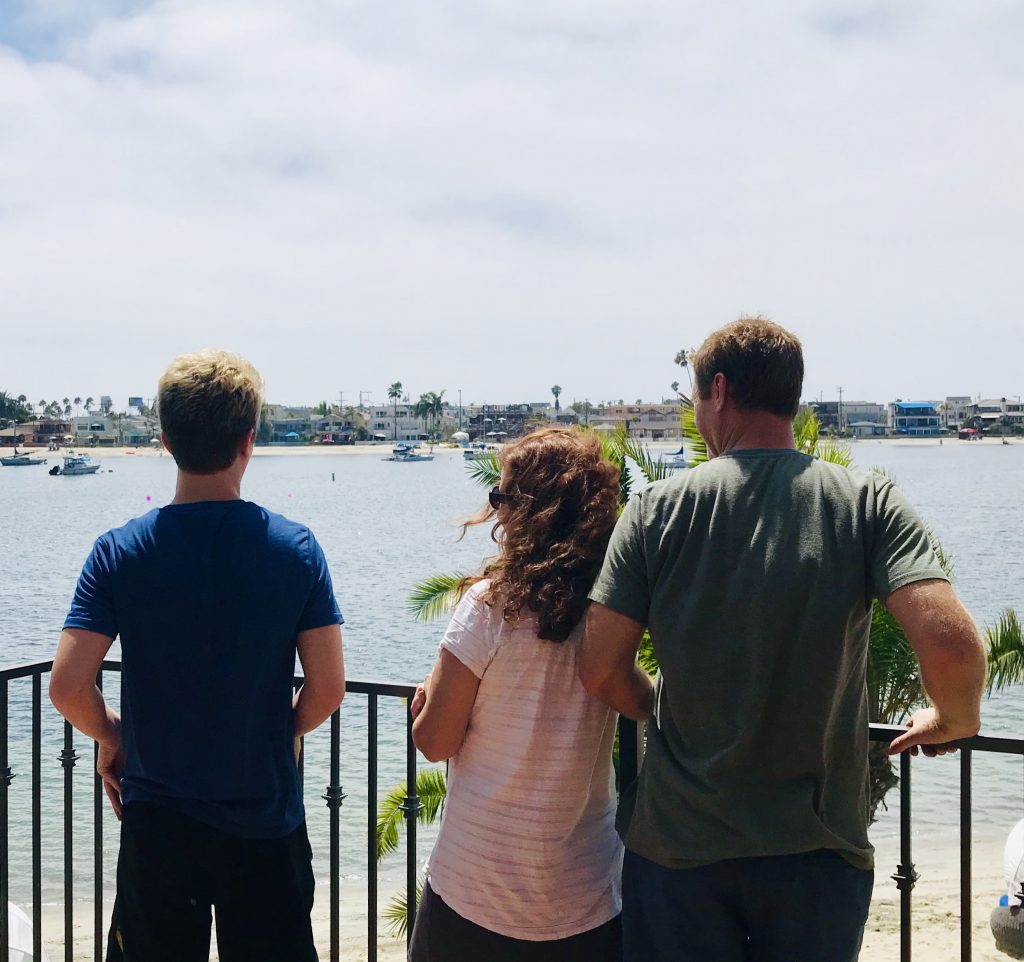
<point x="449" y="693"/>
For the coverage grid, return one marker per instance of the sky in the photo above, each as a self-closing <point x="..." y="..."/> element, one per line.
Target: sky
<point x="496" y="196"/>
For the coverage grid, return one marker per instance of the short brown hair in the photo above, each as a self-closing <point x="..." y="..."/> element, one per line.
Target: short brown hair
<point x="763" y="363"/>
<point x="208" y="401"/>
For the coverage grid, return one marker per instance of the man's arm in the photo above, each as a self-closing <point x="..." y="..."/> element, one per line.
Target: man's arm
<point x="608" y="668"/>
<point x="323" y="671"/>
<point x="74" y="694"/>
<point x="952" y="658"/>
<point x="442" y="706"/>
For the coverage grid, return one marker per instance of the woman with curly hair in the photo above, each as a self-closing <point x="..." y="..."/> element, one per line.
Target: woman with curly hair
<point x="527" y="862"/>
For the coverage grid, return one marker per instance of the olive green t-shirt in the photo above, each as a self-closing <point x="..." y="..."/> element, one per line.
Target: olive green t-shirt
<point x="755" y="574"/>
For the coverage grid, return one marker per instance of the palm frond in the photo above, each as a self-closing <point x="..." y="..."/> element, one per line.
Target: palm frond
<point x="1005" y="649"/>
<point x="806" y="430"/>
<point x="396" y="914"/>
<point x="834" y="453"/>
<point x="436" y="596"/>
<point x="645" y="656"/>
<point x="485" y="471"/>
<point x="694" y="442"/>
<point x="432" y="790"/>
<point x="630" y="449"/>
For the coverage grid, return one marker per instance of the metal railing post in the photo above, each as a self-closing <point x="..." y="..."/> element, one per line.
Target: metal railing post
<point x="906" y="875"/>
<point x="67" y="759"/>
<point x="6" y="777"/>
<point x="371" y="835"/>
<point x="334" y="797"/>
<point x="965" y="854"/>
<point x="411" y="806"/>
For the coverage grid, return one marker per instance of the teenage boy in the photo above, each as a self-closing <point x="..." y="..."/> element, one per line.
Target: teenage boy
<point x="212" y="597"/>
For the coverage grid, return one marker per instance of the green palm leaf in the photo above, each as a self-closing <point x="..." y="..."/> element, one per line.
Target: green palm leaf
<point x="436" y="596"/>
<point x="485" y="471"/>
<point x="1005" y="644"/>
<point x="631" y="449"/>
<point x="694" y="442"/>
<point x="397" y="912"/>
<point x="431" y="789"/>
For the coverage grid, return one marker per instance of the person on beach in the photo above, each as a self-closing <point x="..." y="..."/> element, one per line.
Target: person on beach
<point x="746" y="832"/>
<point x="527" y="861"/>
<point x="211" y="597"/>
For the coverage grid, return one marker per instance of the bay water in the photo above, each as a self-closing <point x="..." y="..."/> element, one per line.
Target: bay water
<point x="385" y="526"/>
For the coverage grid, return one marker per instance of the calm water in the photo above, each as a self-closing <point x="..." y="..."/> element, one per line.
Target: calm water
<point x="383" y="526"/>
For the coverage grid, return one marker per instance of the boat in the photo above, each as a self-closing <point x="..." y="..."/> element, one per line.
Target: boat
<point x="78" y="464"/>
<point x="479" y="452"/>
<point x="17" y="460"/>
<point x="675" y="460"/>
<point x="406" y="452"/>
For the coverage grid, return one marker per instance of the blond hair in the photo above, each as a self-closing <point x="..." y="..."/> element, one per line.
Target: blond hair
<point x="208" y="401"/>
<point x="763" y="363"/>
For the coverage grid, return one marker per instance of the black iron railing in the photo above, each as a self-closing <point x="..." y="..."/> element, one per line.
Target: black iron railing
<point x="33" y="674"/>
<point x="906" y="875"/>
<point x="630" y="752"/>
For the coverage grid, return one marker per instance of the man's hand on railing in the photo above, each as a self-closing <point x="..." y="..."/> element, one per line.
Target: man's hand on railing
<point x="419" y="699"/>
<point x="927" y="731"/>
<point x="110" y="767"/>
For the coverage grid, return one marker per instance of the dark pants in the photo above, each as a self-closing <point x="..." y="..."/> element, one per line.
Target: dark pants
<point x="791" y="908"/>
<point x="172" y="869"/>
<point x="442" y="935"/>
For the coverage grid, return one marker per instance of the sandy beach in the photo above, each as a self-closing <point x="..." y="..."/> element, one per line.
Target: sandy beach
<point x="936" y="911"/>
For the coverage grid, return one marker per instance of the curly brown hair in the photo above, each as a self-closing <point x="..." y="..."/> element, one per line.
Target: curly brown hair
<point x="563" y="501"/>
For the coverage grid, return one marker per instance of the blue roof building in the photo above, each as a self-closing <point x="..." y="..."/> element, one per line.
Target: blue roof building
<point x="915" y="419"/>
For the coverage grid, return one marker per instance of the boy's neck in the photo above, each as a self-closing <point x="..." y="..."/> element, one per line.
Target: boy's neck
<point x="223" y="485"/>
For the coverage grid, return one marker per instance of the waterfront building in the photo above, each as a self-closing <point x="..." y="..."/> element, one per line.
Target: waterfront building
<point x="840" y="416"/>
<point x="655" y="422"/>
<point x="38" y="431"/>
<point x="915" y="419"/>
<point x="995" y="413"/>
<point x="955" y="411"/>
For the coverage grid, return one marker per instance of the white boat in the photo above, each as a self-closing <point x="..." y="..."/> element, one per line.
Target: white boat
<point x="78" y="464"/>
<point x="675" y="460"/>
<point x="405" y="452"/>
<point x="479" y="452"/>
<point x="17" y="460"/>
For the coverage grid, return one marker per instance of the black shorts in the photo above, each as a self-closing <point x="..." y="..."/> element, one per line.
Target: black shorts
<point x="172" y="870"/>
<point x="442" y="935"/>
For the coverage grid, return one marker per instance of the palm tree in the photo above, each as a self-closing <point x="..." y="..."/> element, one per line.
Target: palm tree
<point x="88" y="404"/>
<point x="894" y="684"/>
<point x="42" y="406"/>
<point x="394" y="393"/>
<point x="422" y="410"/>
<point x="675" y="387"/>
<point x="78" y="404"/>
<point x="556" y="390"/>
<point x="436" y="409"/>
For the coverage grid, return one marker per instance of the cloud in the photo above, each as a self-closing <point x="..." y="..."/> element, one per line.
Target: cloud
<point x="353" y="192"/>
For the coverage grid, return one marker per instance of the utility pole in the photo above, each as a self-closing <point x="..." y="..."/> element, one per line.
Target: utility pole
<point x="361" y="393"/>
<point x="341" y="401"/>
<point x="460" y="408"/>
<point x="840" y="414"/>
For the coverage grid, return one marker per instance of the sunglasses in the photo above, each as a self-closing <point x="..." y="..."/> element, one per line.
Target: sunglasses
<point x="497" y="498"/>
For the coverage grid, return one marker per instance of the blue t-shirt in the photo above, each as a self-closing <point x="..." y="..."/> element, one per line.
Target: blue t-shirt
<point x="208" y="598"/>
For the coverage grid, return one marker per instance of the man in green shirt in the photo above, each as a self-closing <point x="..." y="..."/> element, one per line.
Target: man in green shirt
<point x="746" y="832"/>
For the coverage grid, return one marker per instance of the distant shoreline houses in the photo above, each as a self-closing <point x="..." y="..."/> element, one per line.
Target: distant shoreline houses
<point x="403" y="421"/>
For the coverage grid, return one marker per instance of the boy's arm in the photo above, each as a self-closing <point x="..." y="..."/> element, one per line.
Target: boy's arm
<point x="74" y="694"/>
<point x="323" y="670"/>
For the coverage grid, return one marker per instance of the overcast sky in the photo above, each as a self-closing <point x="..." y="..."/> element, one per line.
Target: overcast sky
<point x="500" y="195"/>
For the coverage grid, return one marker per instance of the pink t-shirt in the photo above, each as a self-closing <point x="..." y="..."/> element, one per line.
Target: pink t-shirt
<point x="527" y="847"/>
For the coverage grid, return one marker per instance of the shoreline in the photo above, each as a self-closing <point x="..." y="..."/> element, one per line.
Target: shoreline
<point x="936" y="909"/>
<point x="312" y="450"/>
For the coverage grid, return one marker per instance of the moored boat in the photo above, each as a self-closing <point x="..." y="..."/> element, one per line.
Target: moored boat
<point x="78" y="464"/>
<point x="17" y="460"/>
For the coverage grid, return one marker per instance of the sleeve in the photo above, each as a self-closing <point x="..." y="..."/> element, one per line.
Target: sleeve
<point x="92" y="607"/>
<point x="622" y="583"/>
<point x="321" y="607"/>
<point x="470" y="635"/>
<point x="902" y="550"/>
